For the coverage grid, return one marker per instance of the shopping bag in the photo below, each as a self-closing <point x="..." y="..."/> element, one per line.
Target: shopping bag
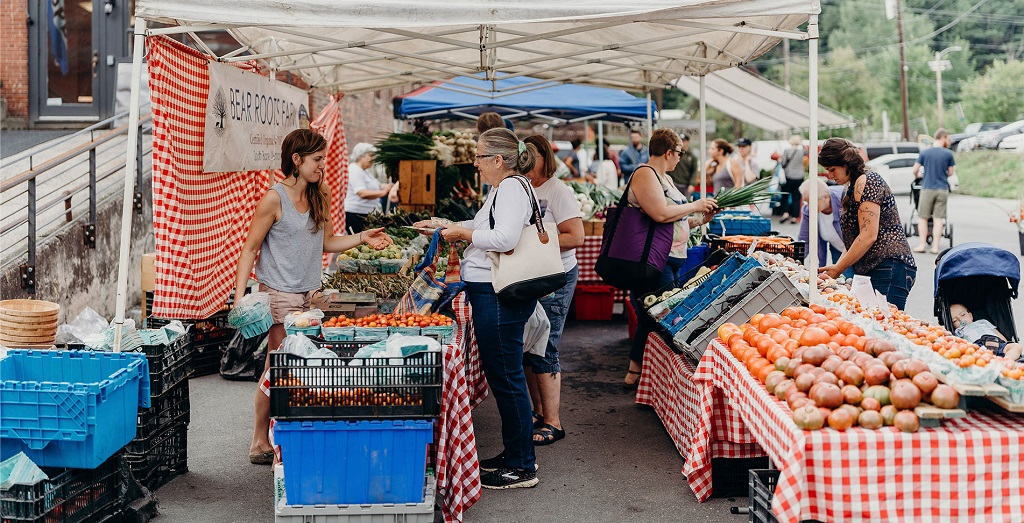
<point x="428" y="293"/>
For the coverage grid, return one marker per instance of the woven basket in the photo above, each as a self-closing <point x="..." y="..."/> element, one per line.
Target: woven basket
<point x="28" y="323"/>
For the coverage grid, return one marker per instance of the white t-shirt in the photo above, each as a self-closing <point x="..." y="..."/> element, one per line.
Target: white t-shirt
<point x="511" y="214"/>
<point x="827" y="230"/>
<point x="557" y="204"/>
<point x="360" y="180"/>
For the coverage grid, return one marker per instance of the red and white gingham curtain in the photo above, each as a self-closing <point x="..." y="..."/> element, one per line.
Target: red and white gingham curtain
<point x="200" y="219"/>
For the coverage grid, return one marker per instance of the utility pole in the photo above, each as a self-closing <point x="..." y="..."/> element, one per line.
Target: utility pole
<point x="903" y="71"/>
<point x="938" y="66"/>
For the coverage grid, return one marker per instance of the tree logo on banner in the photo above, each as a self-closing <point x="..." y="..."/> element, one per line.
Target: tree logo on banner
<point x="219" y="107"/>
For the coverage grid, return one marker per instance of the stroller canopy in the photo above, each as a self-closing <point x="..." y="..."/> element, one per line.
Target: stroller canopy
<point x="978" y="259"/>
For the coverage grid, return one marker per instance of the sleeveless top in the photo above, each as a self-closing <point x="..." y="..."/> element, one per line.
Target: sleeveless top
<point x="891" y="241"/>
<point x="291" y="256"/>
<point x="681" y="227"/>
<point x="722" y="179"/>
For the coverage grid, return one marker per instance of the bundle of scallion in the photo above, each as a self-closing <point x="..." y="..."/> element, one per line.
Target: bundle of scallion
<point x="750" y="194"/>
<point x="402" y="146"/>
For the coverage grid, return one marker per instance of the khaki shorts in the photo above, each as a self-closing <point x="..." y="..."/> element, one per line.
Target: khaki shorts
<point x="933" y="204"/>
<point x="283" y="303"/>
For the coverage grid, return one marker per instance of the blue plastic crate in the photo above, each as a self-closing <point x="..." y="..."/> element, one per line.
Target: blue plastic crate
<point x="731" y="270"/>
<point x="356" y="462"/>
<point x="70" y="408"/>
<point x="753" y="225"/>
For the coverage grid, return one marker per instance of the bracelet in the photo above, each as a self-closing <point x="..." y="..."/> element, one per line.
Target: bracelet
<point x="361" y="240"/>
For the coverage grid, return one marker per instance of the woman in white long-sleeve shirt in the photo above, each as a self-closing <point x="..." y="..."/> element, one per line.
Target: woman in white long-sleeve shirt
<point x="499" y="325"/>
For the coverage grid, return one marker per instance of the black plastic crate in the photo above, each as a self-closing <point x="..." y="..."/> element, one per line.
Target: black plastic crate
<point x="170" y="376"/>
<point x="374" y="390"/>
<point x="759" y="496"/>
<point x="730" y="477"/>
<point x="172" y="406"/>
<point x="161" y="458"/>
<point x="69" y="496"/>
<point x="796" y="249"/>
<point x="206" y="355"/>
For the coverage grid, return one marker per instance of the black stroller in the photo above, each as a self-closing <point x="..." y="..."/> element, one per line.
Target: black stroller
<point x="910" y="227"/>
<point x="981" y="277"/>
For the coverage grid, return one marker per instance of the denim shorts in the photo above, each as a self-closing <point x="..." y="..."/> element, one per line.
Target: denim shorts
<point x="556" y="305"/>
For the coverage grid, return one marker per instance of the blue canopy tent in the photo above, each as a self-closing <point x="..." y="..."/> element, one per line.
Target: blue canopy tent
<point x="521" y="97"/>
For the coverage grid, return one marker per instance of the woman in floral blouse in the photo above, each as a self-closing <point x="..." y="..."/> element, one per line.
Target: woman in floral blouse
<point x="876" y="245"/>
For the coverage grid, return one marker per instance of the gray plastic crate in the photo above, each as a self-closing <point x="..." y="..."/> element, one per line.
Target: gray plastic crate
<point x="759" y="500"/>
<point x="772" y="294"/>
<point x="384" y="513"/>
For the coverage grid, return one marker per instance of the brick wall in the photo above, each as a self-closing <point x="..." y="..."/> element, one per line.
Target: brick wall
<point x="14" y="60"/>
<point x="368" y="116"/>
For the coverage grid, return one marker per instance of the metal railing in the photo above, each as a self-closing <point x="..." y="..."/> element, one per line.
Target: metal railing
<point x="42" y="200"/>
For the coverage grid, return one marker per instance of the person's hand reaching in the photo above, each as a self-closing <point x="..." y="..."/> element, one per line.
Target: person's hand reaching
<point x="376" y="238"/>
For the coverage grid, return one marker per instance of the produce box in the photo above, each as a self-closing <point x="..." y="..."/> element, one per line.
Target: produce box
<point x="422" y="512"/>
<point x="740" y="224"/>
<point x="593" y="227"/>
<point x="70" y="495"/>
<point x="333" y="388"/>
<point x="594" y="302"/>
<point x="70" y="408"/>
<point x="786" y="246"/>
<point x="354" y="462"/>
<point x="760" y="493"/>
<point x="711" y="288"/>
<point x="772" y="292"/>
<point x="161" y="457"/>
<point x="417" y="182"/>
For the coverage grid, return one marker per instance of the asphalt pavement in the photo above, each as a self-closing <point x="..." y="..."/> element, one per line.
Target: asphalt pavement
<point x="617" y="463"/>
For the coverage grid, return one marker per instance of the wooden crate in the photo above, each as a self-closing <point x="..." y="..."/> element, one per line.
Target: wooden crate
<point x="417" y="182"/>
<point x="593" y="227"/>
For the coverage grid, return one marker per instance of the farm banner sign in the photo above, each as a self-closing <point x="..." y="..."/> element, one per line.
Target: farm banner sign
<point x="247" y="118"/>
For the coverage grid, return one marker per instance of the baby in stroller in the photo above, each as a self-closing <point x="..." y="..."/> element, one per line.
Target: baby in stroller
<point x="982" y="333"/>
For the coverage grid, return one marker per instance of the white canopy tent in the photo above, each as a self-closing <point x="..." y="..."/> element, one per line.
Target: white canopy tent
<point x="760" y="102"/>
<point x="355" y="46"/>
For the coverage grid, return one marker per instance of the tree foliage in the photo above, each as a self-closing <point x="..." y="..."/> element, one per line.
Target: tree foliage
<point x="997" y="95"/>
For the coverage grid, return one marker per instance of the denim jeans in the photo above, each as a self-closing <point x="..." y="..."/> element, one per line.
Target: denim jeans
<point x="556" y="306"/>
<point x="894" y="279"/>
<point x="499" y="330"/>
<point x="645" y="325"/>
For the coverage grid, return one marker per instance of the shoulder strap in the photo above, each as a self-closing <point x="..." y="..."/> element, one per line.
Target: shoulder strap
<point x="535" y="219"/>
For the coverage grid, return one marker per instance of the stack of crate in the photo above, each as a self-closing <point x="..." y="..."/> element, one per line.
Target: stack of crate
<point x="159" y="451"/>
<point x="354" y="438"/>
<point x="69" y="495"/>
<point x="210" y="338"/>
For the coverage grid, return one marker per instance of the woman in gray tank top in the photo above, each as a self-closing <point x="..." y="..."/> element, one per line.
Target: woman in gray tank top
<point x="290" y="231"/>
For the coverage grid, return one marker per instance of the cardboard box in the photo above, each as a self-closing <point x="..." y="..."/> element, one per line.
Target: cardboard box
<point x="148" y="271"/>
<point x="345" y="303"/>
<point x="593" y="227"/>
<point x="417" y="182"/>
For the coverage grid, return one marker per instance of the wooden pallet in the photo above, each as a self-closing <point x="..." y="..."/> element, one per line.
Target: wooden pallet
<point x="932" y="416"/>
<point x="988" y="390"/>
<point x="1005" y="403"/>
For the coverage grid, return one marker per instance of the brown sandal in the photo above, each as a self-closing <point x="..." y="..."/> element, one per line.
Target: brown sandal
<point x="631" y="386"/>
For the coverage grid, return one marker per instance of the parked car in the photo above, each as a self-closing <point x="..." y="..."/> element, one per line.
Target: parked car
<point x="1012" y="144"/>
<point x="876" y="149"/>
<point x="970" y="131"/>
<point x="896" y="169"/>
<point x="991" y="139"/>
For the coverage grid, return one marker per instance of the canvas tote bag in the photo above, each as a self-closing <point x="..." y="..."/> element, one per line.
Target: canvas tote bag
<point x="634" y="248"/>
<point x="533" y="269"/>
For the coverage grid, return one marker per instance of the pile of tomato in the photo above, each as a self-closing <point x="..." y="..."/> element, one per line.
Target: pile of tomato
<point x="403" y="320"/>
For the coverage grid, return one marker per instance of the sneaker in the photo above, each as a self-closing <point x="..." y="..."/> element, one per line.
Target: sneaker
<point x="506" y="478"/>
<point x="497" y="462"/>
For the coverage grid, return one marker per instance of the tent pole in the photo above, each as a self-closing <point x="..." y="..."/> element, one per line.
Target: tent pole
<point x="650" y="118"/>
<point x="395" y="125"/>
<point x="600" y="143"/>
<point x="129" y="181"/>
<point x="812" y="61"/>
<point x="703" y="142"/>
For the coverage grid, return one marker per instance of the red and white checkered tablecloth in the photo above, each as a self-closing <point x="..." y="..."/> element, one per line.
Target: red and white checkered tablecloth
<point x="967" y="469"/>
<point x="457" y="465"/>
<point x="667" y="385"/>
<point x="586" y="258"/>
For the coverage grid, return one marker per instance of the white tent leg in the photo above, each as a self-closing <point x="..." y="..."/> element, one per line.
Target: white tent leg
<point x="812" y="252"/>
<point x="650" y="118"/>
<point x="600" y="142"/>
<point x="703" y="142"/>
<point x="395" y="125"/>
<point x="129" y="181"/>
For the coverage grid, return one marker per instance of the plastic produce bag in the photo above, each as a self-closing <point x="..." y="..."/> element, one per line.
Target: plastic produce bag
<point x="868" y="296"/>
<point x="244" y="357"/>
<point x="1016" y="388"/>
<point x="299" y="345"/>
<point x="249" y="309"/>
<point x="20" y="470"/>
<point x="88" y="328"/>
<point x="301" y="320"/>
<point x="538" y="328"/>
<point x="973" y="375"/>
<point x="402" y="346"/>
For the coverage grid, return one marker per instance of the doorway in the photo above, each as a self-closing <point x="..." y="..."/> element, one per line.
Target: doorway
<point x="74" y="47"/>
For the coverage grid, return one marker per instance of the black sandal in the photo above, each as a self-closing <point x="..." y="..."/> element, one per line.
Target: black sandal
<point x="538" y="420"/>
<point x="631" y="386"/>
<point x="549" y="434"/>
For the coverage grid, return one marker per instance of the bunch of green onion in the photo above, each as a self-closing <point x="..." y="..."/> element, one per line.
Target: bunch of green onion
<point x="750" y="194"/>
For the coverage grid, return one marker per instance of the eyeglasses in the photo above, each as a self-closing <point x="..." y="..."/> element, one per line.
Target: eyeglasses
<point x="482" y="156"/>
<point x="679" y="152"/>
